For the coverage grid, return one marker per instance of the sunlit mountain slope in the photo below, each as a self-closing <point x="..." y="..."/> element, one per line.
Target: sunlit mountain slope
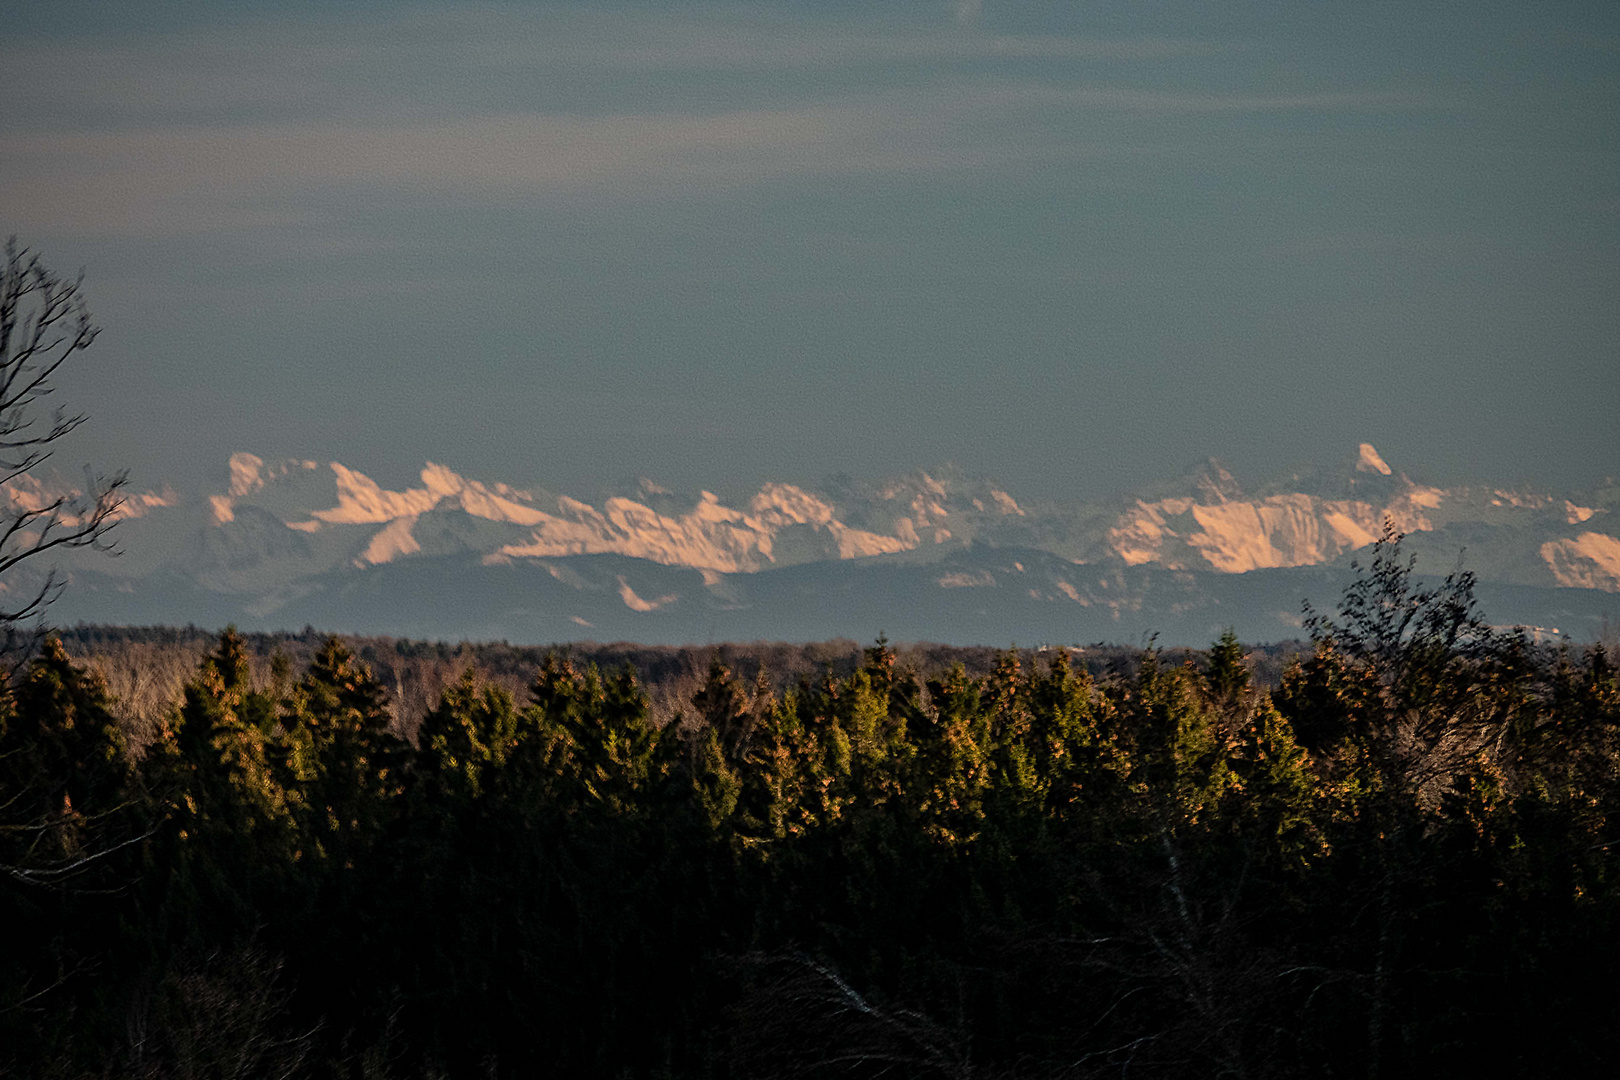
<point x="288" y="540"/>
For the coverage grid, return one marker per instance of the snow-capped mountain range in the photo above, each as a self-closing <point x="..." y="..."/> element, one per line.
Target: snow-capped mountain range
<point x="956" y="558"/>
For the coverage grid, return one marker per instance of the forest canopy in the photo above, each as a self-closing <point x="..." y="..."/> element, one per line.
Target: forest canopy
<point x="1396" y="856"/>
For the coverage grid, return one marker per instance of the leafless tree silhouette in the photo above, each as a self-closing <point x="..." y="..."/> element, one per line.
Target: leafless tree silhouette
<point x="44" y="322"/>
<point x="801" y="1020"/>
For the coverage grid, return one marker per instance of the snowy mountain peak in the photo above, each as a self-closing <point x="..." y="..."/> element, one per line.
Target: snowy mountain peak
<point x="1206" y="521"/>
<point x="1215" y="483"/>
<point x="1368" y="461"/>
<point x="249" y="473"/>
<point x="275" y="531"/>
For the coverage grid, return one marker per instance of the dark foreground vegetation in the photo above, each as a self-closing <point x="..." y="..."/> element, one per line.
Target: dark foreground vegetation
<point x="1401" y="858"/>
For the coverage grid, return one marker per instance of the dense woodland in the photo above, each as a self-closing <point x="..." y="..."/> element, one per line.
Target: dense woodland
<point x="1397" y="855"/>
<point x="146" y="668"/>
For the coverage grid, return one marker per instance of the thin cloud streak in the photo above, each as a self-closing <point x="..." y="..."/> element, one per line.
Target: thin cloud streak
<point x="403" y="67"/>
<point x="190" y="178"/>
<point x="237" y="127"/>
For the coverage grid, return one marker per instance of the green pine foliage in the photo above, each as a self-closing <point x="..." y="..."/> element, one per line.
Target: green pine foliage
<point x="1403" y="858"/>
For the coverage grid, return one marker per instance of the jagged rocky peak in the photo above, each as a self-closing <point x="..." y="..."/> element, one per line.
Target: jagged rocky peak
<point x="1204" y="521"/>
<point x="1368" y="461"/>
<point x="1363" y="475"/>
<point x="247" y="473"/>
<point x="943" y="505"/>
<point x="645" y="490"/>
<point x="1209" y="482"/>
<point x="280" y="486"/>
<point x="1369" y="473"/>
<point x="1214" y="483"/>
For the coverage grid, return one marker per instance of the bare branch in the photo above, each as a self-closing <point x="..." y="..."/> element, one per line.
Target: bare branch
<point x="44" y="322"/>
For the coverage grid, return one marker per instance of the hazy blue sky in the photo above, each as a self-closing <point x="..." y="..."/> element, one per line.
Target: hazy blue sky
<point x="1070" y="245"/>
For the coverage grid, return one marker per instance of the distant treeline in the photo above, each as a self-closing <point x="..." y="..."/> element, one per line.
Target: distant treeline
<point x="146" y="667"/>
<point x="1398" y="858"/>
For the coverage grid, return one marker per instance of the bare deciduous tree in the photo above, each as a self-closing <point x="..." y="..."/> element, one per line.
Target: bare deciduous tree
<point x="44" y="322"/>
<point x="800" y="1019"/>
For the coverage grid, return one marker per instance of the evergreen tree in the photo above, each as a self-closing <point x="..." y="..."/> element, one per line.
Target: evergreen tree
<point x="72" y="819"/>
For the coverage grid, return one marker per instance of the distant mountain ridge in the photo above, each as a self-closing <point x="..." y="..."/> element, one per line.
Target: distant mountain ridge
<point x="281" y="538"/>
